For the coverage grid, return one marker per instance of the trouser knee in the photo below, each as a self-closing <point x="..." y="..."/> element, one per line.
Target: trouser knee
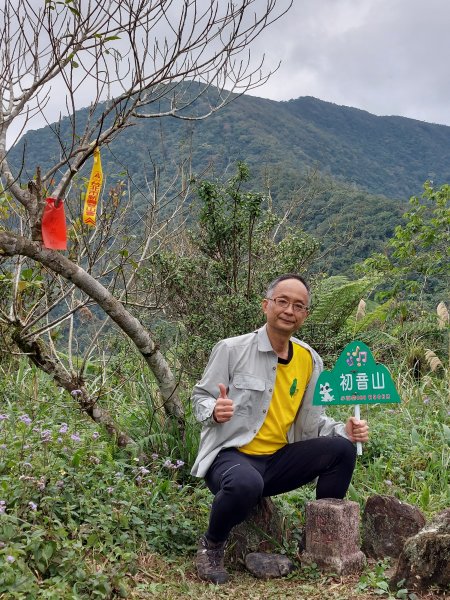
<point x="247" y="488"/>
<point x="345" y="449"/>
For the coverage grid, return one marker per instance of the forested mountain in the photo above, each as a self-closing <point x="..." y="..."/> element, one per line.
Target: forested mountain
<point x="392" y="156"/>
<point x="365" y="166"/>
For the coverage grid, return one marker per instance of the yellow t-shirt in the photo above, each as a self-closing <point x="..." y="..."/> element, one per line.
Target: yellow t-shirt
<point x="292" y="378"/>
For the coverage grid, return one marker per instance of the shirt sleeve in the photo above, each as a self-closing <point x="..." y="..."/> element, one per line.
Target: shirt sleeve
<point x="206" y="391"/>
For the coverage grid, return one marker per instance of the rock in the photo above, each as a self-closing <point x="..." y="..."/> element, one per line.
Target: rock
<point x="262" y="531"/>
<point x="268" y="566"/>
<point x="332" y="536"/>
<point x="425" y="558"/>
<point x="386" y="525"/>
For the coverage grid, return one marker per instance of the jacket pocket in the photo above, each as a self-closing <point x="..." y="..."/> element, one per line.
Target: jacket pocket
<point x="242" y="381"/>
<point x="246" y="391"/>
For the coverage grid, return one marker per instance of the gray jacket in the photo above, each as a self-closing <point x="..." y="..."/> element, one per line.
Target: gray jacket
<point x="247" y="366"/>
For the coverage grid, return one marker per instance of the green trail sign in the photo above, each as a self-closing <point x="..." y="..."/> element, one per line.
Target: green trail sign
<point x="355" y="379"/>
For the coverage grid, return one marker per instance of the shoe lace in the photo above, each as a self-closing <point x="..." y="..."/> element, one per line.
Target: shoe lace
<point x="215" y="556"/>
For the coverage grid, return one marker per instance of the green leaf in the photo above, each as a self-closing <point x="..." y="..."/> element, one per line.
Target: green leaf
<point x="446" y="432"/>
<point x="92" y="540"/>
<point x="76" y="458"/>
<point x="425" y="497"/>
<point x="415" y="437"/>
<point x="47" y="550"/>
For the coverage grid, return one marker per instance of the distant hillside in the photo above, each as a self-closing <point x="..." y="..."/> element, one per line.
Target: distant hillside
<point x="392" y="156"/>
<point x="367" y="166"/>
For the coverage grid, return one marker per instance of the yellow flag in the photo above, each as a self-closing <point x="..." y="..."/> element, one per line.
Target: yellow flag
<point x="93" y="190"/>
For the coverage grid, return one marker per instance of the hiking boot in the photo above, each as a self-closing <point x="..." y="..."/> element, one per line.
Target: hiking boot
<point x="209" y="562"/>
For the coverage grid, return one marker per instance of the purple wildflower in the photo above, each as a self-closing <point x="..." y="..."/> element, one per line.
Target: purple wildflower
<point x="46" y="436"/>
<point x="179" y="464"/>
<point x="110" y="490"/>
<point x="3" y="417"/>
<point x="388" y="482"/>
<point x="10" y="558"/>
<point x="426" y="400"/>
<point x="2" y="506"/>
<point x="25" y="419"/>
<point x="143" y="471"/>
<point x="155" y="456"/>
<point x="3" y="446"/>
<point x="168" y="464"/>
<point x="76" y="393"/>
<point x="95" y="435"/>
<point x="64" y="427"/>
<point x="32" y="505"/>
<point x="75" y="437"/>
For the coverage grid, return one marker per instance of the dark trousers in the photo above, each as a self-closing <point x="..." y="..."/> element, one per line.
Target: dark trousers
<point x="239" y="481"/>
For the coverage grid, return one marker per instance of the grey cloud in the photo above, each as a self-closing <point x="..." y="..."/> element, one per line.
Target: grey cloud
<point x="384" y="56"/>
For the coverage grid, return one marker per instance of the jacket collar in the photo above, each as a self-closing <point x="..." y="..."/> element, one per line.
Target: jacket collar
<point x="264" y="344"/>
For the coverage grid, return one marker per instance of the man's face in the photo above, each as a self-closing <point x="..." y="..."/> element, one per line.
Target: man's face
<point x="285" y="319"/>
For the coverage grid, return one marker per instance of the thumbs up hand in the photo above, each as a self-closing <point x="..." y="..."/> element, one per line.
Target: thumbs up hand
<point x="224" y="408"/>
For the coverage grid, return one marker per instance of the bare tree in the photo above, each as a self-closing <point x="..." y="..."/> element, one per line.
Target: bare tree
<point x="131" y="59"/>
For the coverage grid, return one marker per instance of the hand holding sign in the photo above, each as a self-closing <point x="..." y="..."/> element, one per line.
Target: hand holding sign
<point x="224" y="408"/>
<point x="357" y="430"/>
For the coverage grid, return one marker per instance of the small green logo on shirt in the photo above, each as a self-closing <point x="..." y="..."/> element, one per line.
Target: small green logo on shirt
<point x="293" y="388"/>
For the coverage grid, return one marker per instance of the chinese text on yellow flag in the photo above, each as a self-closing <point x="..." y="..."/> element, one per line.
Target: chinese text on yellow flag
<point x="93" y="190"/>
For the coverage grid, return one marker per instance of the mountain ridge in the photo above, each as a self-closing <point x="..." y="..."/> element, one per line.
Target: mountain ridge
<point x="388" y="155"/>
<point x="368" y="165"/>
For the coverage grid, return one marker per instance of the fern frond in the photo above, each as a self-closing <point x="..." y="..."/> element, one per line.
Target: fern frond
<point x="337" y="299"/>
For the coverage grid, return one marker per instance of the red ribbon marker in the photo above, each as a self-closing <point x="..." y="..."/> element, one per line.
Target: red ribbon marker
<point x="54" y="231"/>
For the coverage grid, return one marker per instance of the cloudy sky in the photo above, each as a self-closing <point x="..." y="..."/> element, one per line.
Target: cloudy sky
<point x="389" y="57"/>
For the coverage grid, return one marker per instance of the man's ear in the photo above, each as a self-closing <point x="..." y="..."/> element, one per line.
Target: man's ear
<point x="264" y="304"/>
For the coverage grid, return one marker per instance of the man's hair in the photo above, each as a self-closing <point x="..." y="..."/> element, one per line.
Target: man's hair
<point x="275" y="282"/>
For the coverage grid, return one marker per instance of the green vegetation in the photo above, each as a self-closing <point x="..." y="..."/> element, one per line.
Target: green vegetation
<point x="81" y="518"/>
<point x="391" y="156"/>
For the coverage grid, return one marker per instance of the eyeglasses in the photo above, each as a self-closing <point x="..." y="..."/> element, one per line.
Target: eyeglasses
<point x="297" y="307"/>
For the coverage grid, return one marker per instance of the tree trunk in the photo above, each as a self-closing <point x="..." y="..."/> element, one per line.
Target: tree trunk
<point x="262" y="531"/>
<point x="13" y="245"/>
